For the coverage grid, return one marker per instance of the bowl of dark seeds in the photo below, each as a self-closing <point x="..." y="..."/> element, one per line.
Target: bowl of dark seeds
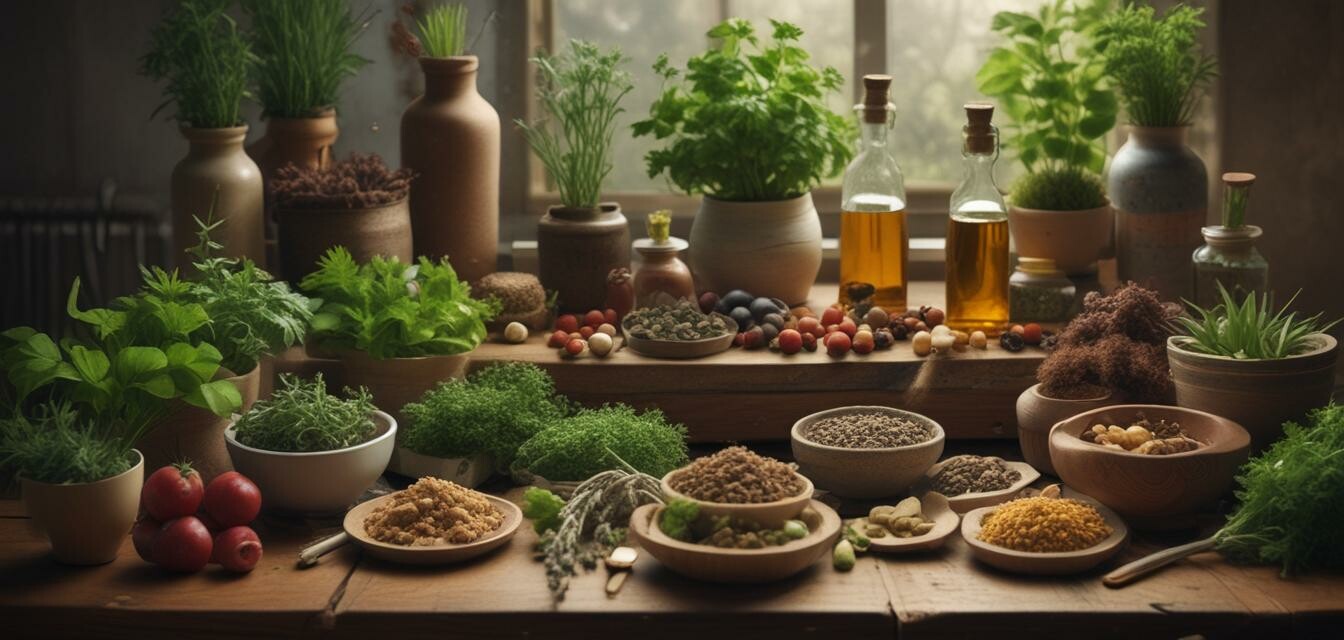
<point x="866" y="451"/>
<point x="677" y="331"/>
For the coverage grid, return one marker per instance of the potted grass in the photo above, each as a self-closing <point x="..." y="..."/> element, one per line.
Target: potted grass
<point x="311" y="452"/>
<point x="750" y="131"/>
<point x="450" y="138"/>
<point x="1051" y="85"/>
<point x="1159" y="185"/>
<point x="1256" y="365"/>
<point x="79" y="472"/>
<point x="1112" y="352"/>
<point x="357" y="203"/>
<point x="398" y="328"/>
<point x="582" y="239"/>
<point x="206" y="62"/>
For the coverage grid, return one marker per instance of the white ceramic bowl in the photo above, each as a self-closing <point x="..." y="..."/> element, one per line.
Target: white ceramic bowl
<point x="321" y="482"/>
<point x="865" y="473"/>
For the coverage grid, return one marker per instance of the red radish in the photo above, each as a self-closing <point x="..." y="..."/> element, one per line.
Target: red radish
<point x="569" y="323"/>
<point x="238" y="549"/>
<point x="232" y="499"/>
<point x="143" y="534"/>
<point x="171" y="492"/>
<point x="594" y="319"/>
<point x="183" y="545"/>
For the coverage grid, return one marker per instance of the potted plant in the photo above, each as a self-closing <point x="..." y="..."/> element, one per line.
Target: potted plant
<point x="207" y="64"/>
<point x="1253" y="364"/>
<point x="450" y="138"/>
<point x="311" y="452"/>
<point x="357" y="203"/>
<point x="397" y="328"/>
<point x="749" y="130"/>
<point x="582" y="239"/>
<point x="1159" y="185"/>
<point x="79" y="472"/>
<point x="1051" y="84"/>
<point x="1112" y="352"/>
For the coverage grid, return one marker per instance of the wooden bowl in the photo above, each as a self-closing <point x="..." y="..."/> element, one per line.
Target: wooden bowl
<point x="865" y="473"/>
<point x="682" y="349"/>
<point x="769" y="514"/>
<point x="438" y="554"/>
<point x="967" y="501"/>
<point x="1050" y="563"/>
<point x="714" y="564"/>
<point x="1151" y="491"/>
<point x="935" y="506"/>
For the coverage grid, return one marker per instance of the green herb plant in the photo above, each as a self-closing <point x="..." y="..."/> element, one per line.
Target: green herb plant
<point x="543" y="508"/>
<point x="581" y="93"/>
<point x="1051" y="83"/>
<point x="207" y="63"/>
<point x="595" y="440"/>
<point x="1155" y="64"/>
<point x="390" y="309"/>
<point x="303" y="47"/>
<point x="747" y="121"/>
<point x="55" y="447"/>
<point x="1251" y="329"/>
<point x="443" y="31"/>
<point x="302" y="417"/>
<point x="677" y="518"/>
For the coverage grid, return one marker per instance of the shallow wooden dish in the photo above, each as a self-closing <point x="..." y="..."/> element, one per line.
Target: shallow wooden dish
<point x="865" y="473"/>
<point x="682" y="349"/>
<point x="1053" y="563"/>
<point x="967" y="501"/>
<point x="935" y="506"/>
<point x="770" y="514"/>
<point x="714" y="564"/>
<point x="441" y="554"/>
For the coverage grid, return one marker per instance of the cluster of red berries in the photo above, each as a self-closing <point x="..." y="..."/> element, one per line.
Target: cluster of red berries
<point x="574" y="335"/>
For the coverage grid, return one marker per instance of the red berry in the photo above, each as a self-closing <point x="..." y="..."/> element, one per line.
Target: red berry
<point x="933" y="316"/>
<point x="831" y="316"/>
<point x="558" y="339"/>
<point x="753" y="338"/>
<point x="864" y="342"/>
<point x="586" y="331"/>
<point x="848" y="327"/>
<point x="708" y="300"/>
<point x="610" y="316"/>
<point x="575" y="346"/>
<point x="1031" y="333"/>
<point x="790" y="341"/>
<point x="1018" y="329"/>
<point x="738" y="339"/>
<point x="837" y="344"/>
<point x="809" y="325"/>
<point x="809" y="342"/>
<point x="569" y="323"/>
<point x="594" y="318"/>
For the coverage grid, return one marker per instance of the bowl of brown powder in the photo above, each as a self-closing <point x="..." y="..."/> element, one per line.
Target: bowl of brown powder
<point x="866" y="451"/>
<point x="739" y="483"/>
<point x="433" y="522"/>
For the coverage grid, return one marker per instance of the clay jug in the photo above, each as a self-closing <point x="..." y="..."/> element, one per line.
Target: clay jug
<point x="577" y="248"/>
<point x="450" y="139"/>
<point x="216" y="161"/>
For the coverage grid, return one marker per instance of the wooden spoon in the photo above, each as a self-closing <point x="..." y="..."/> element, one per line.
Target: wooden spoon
<point x="619" y="564"/>
<point x="1152" y="562"/>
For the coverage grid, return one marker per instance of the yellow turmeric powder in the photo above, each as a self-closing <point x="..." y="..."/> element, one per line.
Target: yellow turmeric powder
<point x="1042" y="524"/>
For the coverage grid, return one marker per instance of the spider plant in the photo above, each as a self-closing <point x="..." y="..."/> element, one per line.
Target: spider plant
<point x="198" y="49"/>
<point x="1250" y="330"/>
<point x="304" y="51"/>
<point x="443" y="31"/>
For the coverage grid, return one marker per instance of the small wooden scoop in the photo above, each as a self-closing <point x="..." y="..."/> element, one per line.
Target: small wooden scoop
<point x="619" y="565"/>
<point x="1148" y="564"/>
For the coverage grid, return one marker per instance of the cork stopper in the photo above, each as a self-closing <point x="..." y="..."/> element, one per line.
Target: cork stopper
<point x="979" y="131"/>
<point x="1237" y="179"/>
<point x="876" y="95"/>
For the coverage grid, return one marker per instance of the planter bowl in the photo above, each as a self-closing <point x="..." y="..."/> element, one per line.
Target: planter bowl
<point x="772" y="249"/>
<point x="468" y="472"/>
<point x="1075" y="240"/>
<point x="320" y="482"/>
<point x="767" y="514"/>
<point x="306" y="234"/>
<point x="195" y="434"/>
<point x="865" y="473"/>
<point x="1151" y="491"/>
<point x="1038" y="413"/>
<point x="393" y="382"/>
<point x="86" y="522"/>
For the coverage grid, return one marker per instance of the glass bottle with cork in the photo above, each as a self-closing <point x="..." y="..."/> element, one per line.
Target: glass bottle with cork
<point x="977" y="233"/>
<point x="1229" y="255"/>
<point x="874" y="239"/>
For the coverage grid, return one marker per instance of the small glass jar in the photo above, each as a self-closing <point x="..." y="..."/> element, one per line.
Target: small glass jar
<point x="1229" y="257"/>
<point x="1039" y="292"/>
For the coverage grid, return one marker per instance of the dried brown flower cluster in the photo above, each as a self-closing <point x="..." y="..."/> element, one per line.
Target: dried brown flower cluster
<point x="359" y="182"/>
<point x="1118" y="342"/>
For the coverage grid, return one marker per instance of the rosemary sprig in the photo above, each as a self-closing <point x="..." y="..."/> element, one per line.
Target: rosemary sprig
<point x="302" y="417"/>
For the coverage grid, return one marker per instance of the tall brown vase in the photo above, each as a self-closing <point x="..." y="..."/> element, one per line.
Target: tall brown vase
<point x="216" y="160"/>
<point x="450" y="139"/>
<point x="577" y="248"/>
<point x="305" y="142"/>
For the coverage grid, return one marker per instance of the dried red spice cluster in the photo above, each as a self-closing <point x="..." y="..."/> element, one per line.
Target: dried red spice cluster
<point x="359" y="182"/>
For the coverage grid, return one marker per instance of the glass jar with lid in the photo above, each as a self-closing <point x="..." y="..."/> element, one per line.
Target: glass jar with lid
<point x="1228" y="256"/>
<point x="1039" y="292"/>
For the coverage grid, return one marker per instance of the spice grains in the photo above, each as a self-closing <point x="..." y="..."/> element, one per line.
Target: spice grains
<point x="873" y="430"/>
<point x="736" y="475"/>
<point x="973" y="474"/>
<point x="433" y="512"/>
<point x="1043" y="524"/>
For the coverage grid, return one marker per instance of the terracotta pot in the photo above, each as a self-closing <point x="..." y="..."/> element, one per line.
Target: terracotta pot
<point x="577" y="248"/>
<point x="86" y="522"/>
<point x="397" y="381"/>
<point x="1260" y="395"/>
<point x="216" y="161"/>
<point x="191" y="433"/>
<point x="450" y="139"/>
<point x="306" y="234"/>
<point x="1160" y="189"/>
<point x="662" y="278"/>
<point x="1075" y="240"/>
<point x="1037" y="414"/>
<point x="770" y="249"/>
<point x="306" y="142"/>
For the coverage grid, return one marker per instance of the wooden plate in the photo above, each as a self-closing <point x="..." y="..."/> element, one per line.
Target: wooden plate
<point x="1052" y="563"/>
<point x="439" y="554"/>
<point x="714" y="564"/>
<point x="967" y="501"/>
<point x="935" y="506"/>
<point x="683" y="349"/>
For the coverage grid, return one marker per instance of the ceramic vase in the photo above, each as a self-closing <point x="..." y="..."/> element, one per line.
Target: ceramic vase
<point x="1037" y="413"/>
<point x="450" y="139"/>
<point x="304" y="142"/>
<point x="577" y="248"/>
<point x="1075" y="240"/>
<point x="770" y="249"/>
<point x="216" y="162"/>
<point x="86" y="522"/>
<point x="196" y="435"/>
<point x="306" y="234"/>
<point x="661" y="277"/>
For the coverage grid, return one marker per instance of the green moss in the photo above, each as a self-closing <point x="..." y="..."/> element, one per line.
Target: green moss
<point x="591" y="442"/>
<point x="1059" y="190"/>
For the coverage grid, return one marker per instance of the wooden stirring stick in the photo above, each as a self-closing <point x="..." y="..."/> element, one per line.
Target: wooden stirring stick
<point x="1152" y="562"/>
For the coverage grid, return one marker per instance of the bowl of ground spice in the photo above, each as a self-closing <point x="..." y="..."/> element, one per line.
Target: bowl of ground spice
<point x="1158" y="466"/>
<point x="739" y="483"/>
<point x="1056" y="532"/>
<point x="971" y="481"/>
<point x="866" y="451"/>
<point x="433" y="521"/>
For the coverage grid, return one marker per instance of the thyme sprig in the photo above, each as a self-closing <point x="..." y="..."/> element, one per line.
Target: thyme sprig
<point x="302" y="417"/>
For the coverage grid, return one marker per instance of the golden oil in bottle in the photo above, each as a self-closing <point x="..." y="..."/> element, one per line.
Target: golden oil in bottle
<point x="977" y="234"/>
<point x="874" y="239"/>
